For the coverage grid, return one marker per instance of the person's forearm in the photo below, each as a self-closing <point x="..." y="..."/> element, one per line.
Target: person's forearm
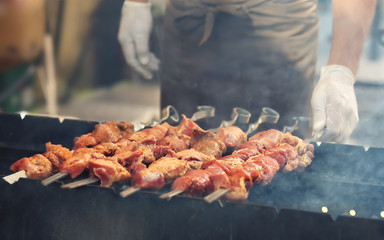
<point x="351" y="24"/>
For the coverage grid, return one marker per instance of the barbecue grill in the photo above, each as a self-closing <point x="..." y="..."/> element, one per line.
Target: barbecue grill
<point x="339" y="196"/>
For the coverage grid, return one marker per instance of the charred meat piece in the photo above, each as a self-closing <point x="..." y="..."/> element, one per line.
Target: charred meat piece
<point x="267" y="138"/>
<point x="56" y="154"/>
<point x="108" y="171"/>
<point x="36" y="167"/>
<point x="232" y="137"/>
<point x="110" y="131"/>
<point x="207" y="143"/>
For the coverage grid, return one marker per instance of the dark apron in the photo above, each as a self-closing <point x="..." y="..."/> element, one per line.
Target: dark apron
<point x="232" y="53"/>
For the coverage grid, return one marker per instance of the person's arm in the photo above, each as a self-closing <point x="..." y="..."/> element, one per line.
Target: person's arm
<point x="351" y="24"/>
<point x="334" y="105"/>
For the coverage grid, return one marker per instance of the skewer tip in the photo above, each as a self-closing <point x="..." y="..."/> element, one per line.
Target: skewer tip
<point x="129" y="191"/>
<point x="216" y="195"/>
<point x="14" y="177"/>
<point x="171" y="194"/>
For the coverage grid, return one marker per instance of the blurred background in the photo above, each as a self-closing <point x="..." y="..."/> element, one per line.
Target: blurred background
<point x="62" y="57"/>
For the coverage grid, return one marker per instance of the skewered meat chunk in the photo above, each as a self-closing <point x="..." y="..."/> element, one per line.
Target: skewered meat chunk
<point x="108" y="171"/>
<point x="195" y="182"/>
<point x="194" y="158"/>
<point x="269" y="167"/>
<point x="136" y="167"/>
<point x="207" y="143"/>
<point x="268" y="138"/>
<point x="36" y="167"/>
<point x="148" y="178"/>
<point x="150" y="135"/>
<point x="254" y="170"/>
<point x="232" y="137"/>
<point x="191" y="155"/>
<point x="76" y="164"/>
<point x="255" y="144"/>
<point x="160" y="171"/>
<point x="110" y="131"/>
<point x="230" y="161"/>
<point x="56" y="154"/>
<point x="188" y="127"/>
<point x="174" y="140"/>
<point x="304" y="149"/>
<point x="241" y="182"/>
<point x="171" y="167"/>
<point x="285" y="155"/>
<point x="243" y="154"/>
<point x="218" y="174"/>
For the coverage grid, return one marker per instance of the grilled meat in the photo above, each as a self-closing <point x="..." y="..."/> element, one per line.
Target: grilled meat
<point x="207" y="143"/>
<point x="110" y="131"/>
<point x="108" y="171"/>
<point x="267" y="138"/>
<point x="56" y="154"/>
<point x="36" y="167"/>
<point x="232" y="137"/>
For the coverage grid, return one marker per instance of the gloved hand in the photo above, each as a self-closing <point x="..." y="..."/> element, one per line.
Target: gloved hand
<point x="334" y="105"/>
<point x="134" y="32"/>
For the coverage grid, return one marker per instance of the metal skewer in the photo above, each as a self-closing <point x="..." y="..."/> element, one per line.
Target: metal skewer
<point x="171" y="194"/>
<point x="299" y="123"/>
<point x="80" y="183"/>
<point x="14" y="177"/>
<point x="168" y="114"/>
<point x="216" y="195"/>
<point x="203" y="112"/>
<point x="55" y="177"/>
<point x="129" y="191"/>
<point x="238" y="115"/>
<point x="268" y="115"/>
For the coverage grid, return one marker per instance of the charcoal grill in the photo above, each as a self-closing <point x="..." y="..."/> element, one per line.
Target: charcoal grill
<point x="293" y="206"/>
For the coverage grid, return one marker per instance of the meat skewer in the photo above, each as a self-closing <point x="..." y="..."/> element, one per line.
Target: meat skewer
<point x="264" y="151"/>
<point x="205" y="146"/>
<point x="151" y="143"/>
<point x="110" y="131"/>
<point x="40" y="166"/>
<point x="287" y="156"/>
<point x="140" y="147"/>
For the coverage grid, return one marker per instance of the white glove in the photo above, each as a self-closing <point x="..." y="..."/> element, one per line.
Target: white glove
<point x="134" y="32"/>
<point x="334" y="105"/>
